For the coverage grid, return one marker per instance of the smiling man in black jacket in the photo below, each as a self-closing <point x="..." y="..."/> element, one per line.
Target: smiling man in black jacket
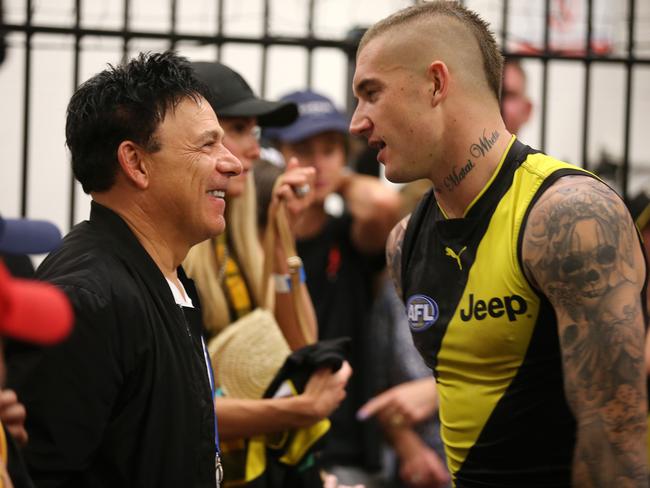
<point x="126" y="400"/>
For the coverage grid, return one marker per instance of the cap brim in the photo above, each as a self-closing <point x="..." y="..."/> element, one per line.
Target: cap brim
<point x="268" y="113"/>
<point x="33" y="311"/>
<point x="306" y="129"/>
<point x="23" y="236"/>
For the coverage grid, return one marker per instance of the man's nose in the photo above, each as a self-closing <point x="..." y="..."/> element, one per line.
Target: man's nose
<point x="228" y="164"/>
<point x="360" y="124"/>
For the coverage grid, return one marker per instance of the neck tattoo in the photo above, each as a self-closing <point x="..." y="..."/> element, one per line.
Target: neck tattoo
<point x="477" y="150"/>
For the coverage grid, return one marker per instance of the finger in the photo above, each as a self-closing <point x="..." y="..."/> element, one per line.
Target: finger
<point x="345" y="371"/>
<point x="7" y="397"/>
<point x="18" y="434"/>
<point x="292" y="164"/>
<point x="13" y="413"/>
<point x="373" y="406"/>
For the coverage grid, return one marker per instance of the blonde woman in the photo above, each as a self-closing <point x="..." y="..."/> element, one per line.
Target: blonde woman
<point x="228" y="270"/>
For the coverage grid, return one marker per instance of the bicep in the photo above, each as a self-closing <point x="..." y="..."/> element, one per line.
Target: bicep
<point x="580" y="247"/>
<point x="394" y="253"/>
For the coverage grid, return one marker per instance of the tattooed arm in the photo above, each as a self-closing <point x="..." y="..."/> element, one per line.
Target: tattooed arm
<point x="394" y="253"/>
<point x="581" y="249"/>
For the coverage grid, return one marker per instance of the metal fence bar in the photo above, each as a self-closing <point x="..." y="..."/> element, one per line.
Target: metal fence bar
<point x="628" y="97"/>
<point x="173" y="8"/>
<point x="505" y="8"/>
<point x="75" y="83"/>
<point x="587" y="87"/>
<point x="265" y="48"/>
<point x="219" y="25"/>
<point x="547" y="22"/>
<point x="310" y="50"/>
<point x="126" y="22"/>
<point x="268" y="40"/>
<point x="26" y="106"/>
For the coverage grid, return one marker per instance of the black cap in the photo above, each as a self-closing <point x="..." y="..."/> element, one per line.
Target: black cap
<point x="231" y="96"/>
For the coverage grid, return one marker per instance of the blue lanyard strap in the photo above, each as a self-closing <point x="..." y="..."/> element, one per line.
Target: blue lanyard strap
<point x="214" y="394"/>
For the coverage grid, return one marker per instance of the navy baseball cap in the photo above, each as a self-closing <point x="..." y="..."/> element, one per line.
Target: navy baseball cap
<point x="231" y="96"/>
<point x="316" y="114"/>
<point x="25" y="236"/>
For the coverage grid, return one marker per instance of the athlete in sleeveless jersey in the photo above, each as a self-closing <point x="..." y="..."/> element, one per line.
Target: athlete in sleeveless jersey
<point x="523" y="275"/>
<point x="490" y="337"/>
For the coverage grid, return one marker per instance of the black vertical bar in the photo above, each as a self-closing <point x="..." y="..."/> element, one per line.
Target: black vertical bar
<point x="587" y="91"/>
<point x="75" y="84"/>
<point x="126" y="24"/>
<point x="172" y="29"/>
<point x="219" y="26"/>
<point x="547" y="23"/>
<point x="26" y="106"/>
<point x="265" y="48"/>
<point x="628" y="95"/>
<point x="310" y="48"/>
<point x="505" y="7"/>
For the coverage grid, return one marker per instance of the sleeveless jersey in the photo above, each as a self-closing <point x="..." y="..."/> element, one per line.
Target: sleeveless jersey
<point x="490" y="338"/>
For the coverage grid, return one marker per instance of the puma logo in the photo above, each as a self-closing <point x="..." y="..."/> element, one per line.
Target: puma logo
<point x="450" y="252"/>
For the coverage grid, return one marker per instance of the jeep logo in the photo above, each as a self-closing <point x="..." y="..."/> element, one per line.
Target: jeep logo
<point x="422" y="312"/>
<point x="495" y="307"/>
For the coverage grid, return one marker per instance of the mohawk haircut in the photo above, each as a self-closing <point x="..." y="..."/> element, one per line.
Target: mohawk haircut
<point x="480" y="29"/>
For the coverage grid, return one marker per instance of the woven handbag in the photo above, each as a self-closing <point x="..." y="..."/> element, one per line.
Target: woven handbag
<point x="248" y="353"/>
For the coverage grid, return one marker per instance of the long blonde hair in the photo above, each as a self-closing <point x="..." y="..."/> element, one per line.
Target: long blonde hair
<point x="201" y="262"/>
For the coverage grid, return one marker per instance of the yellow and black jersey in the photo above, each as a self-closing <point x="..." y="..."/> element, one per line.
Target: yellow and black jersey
<point x="489" y="336"/>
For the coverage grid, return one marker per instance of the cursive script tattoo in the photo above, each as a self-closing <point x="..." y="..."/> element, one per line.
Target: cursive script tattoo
<point x="485" y="143"/>
<point x="580" y="247"/>
<point x="454" y="179"/>
<point x="476" y="150"/>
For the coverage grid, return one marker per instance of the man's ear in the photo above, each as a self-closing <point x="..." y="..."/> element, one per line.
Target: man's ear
<point x="133" y="163"/>
<point x="438" y="75"/>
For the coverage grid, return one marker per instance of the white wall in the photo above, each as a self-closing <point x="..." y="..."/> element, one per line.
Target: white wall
<point x="52" y="84"/>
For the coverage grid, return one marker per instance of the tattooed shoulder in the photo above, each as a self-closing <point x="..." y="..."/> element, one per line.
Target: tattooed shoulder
<point x="580" y="242"/>
<point x="394" y="252"/>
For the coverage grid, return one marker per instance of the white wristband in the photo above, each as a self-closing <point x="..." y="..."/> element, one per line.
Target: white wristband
<point x="282" y="283"/>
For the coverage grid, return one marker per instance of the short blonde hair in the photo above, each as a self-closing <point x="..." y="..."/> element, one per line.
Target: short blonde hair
<point x="492" y="58"/>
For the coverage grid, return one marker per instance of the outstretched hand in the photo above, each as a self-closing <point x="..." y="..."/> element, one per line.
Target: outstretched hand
<point x="403" y="405"/>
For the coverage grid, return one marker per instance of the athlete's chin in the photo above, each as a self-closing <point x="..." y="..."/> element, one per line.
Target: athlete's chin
<point x="394" y="175"/>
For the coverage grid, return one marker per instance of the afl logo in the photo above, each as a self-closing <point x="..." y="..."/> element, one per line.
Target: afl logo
<point x="422" y="312"/>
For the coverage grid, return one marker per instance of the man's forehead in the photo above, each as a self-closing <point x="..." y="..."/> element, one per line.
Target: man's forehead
<point x="371" y="62"/>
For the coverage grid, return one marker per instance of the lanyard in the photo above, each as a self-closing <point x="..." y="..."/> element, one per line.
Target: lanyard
<point x="214" y="394"/>
<point x="218" y="468"/>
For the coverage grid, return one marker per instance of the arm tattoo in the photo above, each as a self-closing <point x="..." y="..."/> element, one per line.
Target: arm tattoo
<point x="394" y="253"/>
<point x="580" y="247"/>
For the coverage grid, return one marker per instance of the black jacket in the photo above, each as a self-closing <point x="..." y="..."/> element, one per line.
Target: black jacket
<point x="125" y="401"/>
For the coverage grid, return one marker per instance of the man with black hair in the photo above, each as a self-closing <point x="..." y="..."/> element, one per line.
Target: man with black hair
<point x="127" y="400"/>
